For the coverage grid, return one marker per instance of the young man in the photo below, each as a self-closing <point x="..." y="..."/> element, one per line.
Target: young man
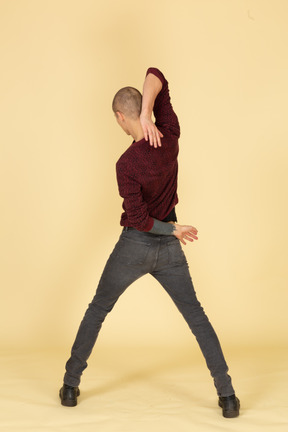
<point x="150" y="241"/>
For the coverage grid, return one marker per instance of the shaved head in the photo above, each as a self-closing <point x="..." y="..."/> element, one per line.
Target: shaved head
<point x="128" y="100"/>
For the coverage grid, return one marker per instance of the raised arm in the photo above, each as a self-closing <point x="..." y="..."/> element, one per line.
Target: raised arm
<point x="151" y="89"/>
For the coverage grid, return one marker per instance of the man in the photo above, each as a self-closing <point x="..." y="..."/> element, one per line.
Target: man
<point x="150" y="241"/>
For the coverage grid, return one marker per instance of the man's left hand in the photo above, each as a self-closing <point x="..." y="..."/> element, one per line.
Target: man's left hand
<point x="185" y="232"/>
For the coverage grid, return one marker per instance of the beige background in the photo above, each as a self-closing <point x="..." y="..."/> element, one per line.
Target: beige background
<point x="61" y="63"/>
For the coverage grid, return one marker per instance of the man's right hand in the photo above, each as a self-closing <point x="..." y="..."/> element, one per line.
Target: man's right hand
<point x="185" y="232"/>
<point x="151" y="132"/>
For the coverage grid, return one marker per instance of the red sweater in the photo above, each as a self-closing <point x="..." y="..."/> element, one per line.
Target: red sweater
<point x="147" y="177"/>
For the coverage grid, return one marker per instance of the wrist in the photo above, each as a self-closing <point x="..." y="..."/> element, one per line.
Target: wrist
<point x="146" y="113"/>
<point x="175" y="226"/>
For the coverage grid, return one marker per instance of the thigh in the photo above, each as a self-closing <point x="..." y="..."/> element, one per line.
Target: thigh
<point x="178" y="284"/>
<point x="174" y="275"/>
<point x="125" y="265"/>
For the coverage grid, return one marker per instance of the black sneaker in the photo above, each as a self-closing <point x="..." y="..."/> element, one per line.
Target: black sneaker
<point x="230" y="406"/>
<point x="68" y="395"/>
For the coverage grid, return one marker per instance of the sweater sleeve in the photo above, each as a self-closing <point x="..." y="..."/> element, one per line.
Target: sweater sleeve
<point x="163" y="111"/>
<point x="162" y="228"/>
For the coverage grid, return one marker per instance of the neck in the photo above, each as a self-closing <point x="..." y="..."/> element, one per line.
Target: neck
<point x="136" y="130"/>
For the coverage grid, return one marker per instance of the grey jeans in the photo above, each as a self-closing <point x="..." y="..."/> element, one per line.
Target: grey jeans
<point x="136" y="254"/>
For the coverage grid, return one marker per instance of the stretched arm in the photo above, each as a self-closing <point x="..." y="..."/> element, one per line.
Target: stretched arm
<point x="137" y="212"/>
<point x="151" y="89"/>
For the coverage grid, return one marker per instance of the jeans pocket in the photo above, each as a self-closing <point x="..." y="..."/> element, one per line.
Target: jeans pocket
<point x="176" y="255"/>
<point x="132" y="252"/>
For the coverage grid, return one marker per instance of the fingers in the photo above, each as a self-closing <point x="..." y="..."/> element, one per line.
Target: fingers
<point x="191" y="238"/>
<point x="151" y="132"/>
<point x="185" y="233"/>
<point x="158" y="141"/>
<point x="187" y="239"/>
<point x="154" y="138"/>
<point x="159" y="136"/>
<point x="193" y="230"/>
<point x="190" y="230"/>
<point x="146" y="131"/>
<point x="189" y="234"/>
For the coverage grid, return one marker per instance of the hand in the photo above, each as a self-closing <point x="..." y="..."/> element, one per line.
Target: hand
<point x="150" y="131"/>
<point x="185" y="232"/>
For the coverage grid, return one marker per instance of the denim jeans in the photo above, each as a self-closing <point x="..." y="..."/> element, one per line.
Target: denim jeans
<point x="136" y="254"/>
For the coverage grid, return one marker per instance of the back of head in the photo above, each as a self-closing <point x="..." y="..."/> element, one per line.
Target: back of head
<point x="128" y="100"/>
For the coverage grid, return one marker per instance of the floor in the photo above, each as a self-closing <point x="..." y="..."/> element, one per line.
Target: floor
<point x="143" y="389"/>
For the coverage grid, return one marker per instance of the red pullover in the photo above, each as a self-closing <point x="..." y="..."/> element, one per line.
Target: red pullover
<point x="147" y="177"/>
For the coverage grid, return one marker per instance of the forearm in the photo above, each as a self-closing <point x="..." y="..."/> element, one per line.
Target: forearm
<point x="182" y="232"/>
<point x="162" y="228"/>
<point x="151" y="89"/>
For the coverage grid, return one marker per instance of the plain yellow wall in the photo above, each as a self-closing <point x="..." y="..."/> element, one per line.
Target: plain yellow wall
<point x="61" y="63"/>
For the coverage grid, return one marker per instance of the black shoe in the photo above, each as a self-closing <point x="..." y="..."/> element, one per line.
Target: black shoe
<point x="230" y="406"/>
<point x="68" y="395"/>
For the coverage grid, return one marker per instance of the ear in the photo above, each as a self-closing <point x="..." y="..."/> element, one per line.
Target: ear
<point x="120" y="116"/>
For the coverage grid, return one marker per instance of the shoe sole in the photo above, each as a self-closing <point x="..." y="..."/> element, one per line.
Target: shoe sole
<point x="68" y="402"/>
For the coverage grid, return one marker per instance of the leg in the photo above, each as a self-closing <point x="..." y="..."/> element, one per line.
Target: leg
<point x="122" y="268"/>
<point x="174" y="276"/>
